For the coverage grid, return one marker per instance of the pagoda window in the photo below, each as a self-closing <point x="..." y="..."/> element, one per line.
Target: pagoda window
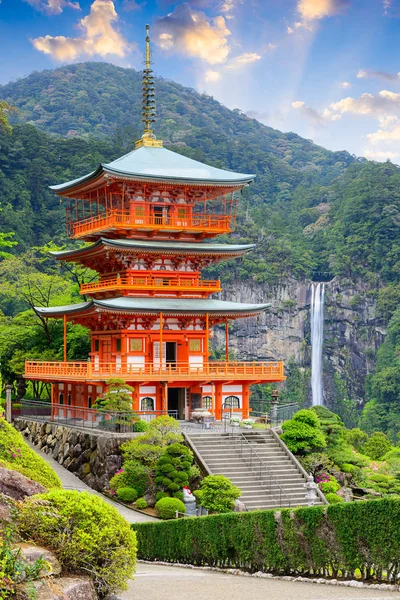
<point x="136" y="345"/>
<point x="118" y="345"/>
<point x="69" y="399"/>
<point x="96" y="345"/>
<point x="61" y="398"/>
<point x="147" y="404"/>
<point x="232" y="402"/>
<point x="195" y="345"/>
<point x="207" y="402"/>
<point x="90" y="401"/>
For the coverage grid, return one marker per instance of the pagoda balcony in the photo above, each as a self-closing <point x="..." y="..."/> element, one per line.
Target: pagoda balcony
<point x="180" y="286"/>
<point x="122" y="223"/>
<point x="254" y="372"/>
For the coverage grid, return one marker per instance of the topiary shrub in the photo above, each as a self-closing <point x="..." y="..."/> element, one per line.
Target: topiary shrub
<point x="217" y="494"/>
<point x="85" y="533"/>
<point x="346" y="455"/>
<point x="173" y="468"/>
<point x="15" y="454"/>
<point x="355" y="437"/>
<point x="333" y="498"/>
<point x="331" y="424"/>
<point x="303" y="433"/>
<point x="179" y="495"/>
<point x="127" y="494"/>
<point x="166" y="507"/>
<point x="139" y="426"/>
<point x="165" y="424"/>
<point x="132" y="475"/>
<point x="328" y="484"/>
<point x="148" y="448"/>
<point x="377" y="446"/>
<point x="141" y="503"/>
<point x="317" y="462"/>
<point x="160" y="495"/>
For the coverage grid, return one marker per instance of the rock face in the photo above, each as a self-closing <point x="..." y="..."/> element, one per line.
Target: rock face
<point x="17" y="486"/>
<point x="32" y="553"/>
<point x="94" y="457"/>
<point x="62" y="588"/>
<point x="352" y="333"/>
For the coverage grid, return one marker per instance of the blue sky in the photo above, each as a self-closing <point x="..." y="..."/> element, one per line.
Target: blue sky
<point x="326" y="69"/>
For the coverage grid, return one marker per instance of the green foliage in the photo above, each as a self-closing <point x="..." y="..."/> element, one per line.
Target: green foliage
<point x="166" y="507"/>
<point x="140" y="426"/>
<point x="317" y="462"/>
<point x="377" y="446"/>
<point x="164" y="425"/>
<point x="17" y="455"/>
<point x="217" y="494"/>
<point x="132" y="475"/>
<point x="346" y="455"/>
<point x="160" y="495"/>
<point x="386" y="484"/>
<point x="178" y="495"/>
<point x="141" y="503"/>
<point x="148" y="448"/>
<point x="333" y="498"/>
<point x="331" y="486"/>
<point x="355" y="437"/>
<point x="331" y="425"/>
<point x="173" y="468"/>
<point x="345" y="540"/>
<point x="127" y="494"/>
<point x="86" y="534"/>
<point x="303" y="433"/>
<point x="118" y="397"/>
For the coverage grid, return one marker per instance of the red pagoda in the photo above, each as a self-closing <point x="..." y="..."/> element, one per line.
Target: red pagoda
<point x="150" y="215"/>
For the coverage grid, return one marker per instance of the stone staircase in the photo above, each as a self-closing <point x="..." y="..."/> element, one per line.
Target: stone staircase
<point x="258" y="463"/>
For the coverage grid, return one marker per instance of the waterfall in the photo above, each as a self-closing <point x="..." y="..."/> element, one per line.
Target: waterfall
<point x="317" y="339"/>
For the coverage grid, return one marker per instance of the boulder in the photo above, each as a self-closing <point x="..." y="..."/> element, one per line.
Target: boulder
<point x="61" y="588"/>
<point x="5" y="509"/>
<point x="32" y="553"/>
<point x="17" y="486"/>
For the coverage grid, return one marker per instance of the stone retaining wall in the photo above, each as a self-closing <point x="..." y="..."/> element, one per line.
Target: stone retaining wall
<point x="92" y="456"/>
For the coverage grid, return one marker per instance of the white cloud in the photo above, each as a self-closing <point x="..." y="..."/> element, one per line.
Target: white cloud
<point x="290" y="30"/>
<point x="212" y="76"/>
<point x="380" y="155"/>
<point x="367" y="104"/>
<point x="99" y="36"/>
<point x="386" y="6"/>
<point x="369" y="74"/>
<point x="345" y="84"/>
<point x="313" y="115"/>
<point x="243" y="60"/>
<point x="192" y="33"/>
<point x="311" y="10"/>
<point x="53" y="7"/>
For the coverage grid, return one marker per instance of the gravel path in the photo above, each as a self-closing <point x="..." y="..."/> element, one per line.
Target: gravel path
<point x="71" y="482"/>
<point x="170" y="583"/>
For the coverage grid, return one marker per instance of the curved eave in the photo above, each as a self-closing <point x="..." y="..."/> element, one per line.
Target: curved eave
<point x="162" y="248"/>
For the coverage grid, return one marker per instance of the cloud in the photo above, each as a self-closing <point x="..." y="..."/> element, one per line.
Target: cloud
<point x="133" y="5"/>
<point x="367" y="104"/>
<point x="290" y="30"/>
<point x="345" y="84"/>
<point x="243" y="60"/>
<point x="311" y="10"/>
<point x="192" y="33"/>
<point x="386" y="6"/>
<point x="212" y="76"/>
<point x="380" y="155"/>
<point x="313" y="115"/>
<point x="53" y="7"/>
<point x="99" y="36"/>
<point x="369" y="74"/>
<point x="389" y="131"/>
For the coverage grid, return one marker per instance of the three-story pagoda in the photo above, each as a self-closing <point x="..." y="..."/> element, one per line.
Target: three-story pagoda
<point x="150" y="216"/>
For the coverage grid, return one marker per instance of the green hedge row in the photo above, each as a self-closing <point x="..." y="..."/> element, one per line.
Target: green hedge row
<point x="358" y="539"/>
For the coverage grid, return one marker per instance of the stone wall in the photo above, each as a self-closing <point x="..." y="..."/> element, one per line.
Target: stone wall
<point x="92" y="456"/>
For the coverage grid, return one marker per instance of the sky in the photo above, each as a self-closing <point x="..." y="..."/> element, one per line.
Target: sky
<point x="328" y="70"/>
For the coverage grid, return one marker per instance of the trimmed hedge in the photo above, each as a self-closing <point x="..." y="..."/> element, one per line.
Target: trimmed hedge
<point x="355" y="539"/>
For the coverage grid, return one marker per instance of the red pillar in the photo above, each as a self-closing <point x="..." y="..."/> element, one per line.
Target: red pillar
<point x="218" y="401"/>
<point x="245" y="400"/>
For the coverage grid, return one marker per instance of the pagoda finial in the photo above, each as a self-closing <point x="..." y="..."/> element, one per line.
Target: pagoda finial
<point x="148" y="101"/>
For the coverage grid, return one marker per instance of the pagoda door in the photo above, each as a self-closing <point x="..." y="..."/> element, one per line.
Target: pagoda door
<point x="106" y="355"/>
<point x="156" y="355"/>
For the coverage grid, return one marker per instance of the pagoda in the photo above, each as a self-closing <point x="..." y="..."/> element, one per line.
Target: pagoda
<point x="150" y="217"/>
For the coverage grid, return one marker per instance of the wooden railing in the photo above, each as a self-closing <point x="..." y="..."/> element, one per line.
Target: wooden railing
<point x="151" y="283"/>
<point x="120" y="220"/>
<point x="78" y="371"/>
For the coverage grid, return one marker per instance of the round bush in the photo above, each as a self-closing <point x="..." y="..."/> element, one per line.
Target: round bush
<point x="377" y="446"/>
<point x="173" y="468"/>
<point x="140" y="426"/>
<point x="333" y="498"/>
<point x="86" y="534"/>
<point x="160" y="495"/>
<point x="303" y="433"/>
<point x="179" y="495"/>
<point x="132" y="475"/>
<point x="167" y="507"/>
<point x="329" y="487"/>
<point x="141" y="503"/>
<point x="127" y="494"/>
<point x="217" y="494"/>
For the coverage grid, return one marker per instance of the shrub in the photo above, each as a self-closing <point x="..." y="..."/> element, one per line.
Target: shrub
<point x="303" y="433"/>
<point x="346" y="455"/>
<point x="140" y="426"/>
<point x="331" y="425"/>
<point x="167" y="507"/>
<point x="165" y="424"/>
<point x="333" y="498"/>
<point x="173" y="468"/>
<point x="160" y="495"/>
<point x="127" y="494"/>
<point x="351" y="469"/>
<point x="132" y="475"/>
<point x="386" y="484"/>
<point x="17" y="455"/>
<point x="328" y="484"/>
<point x="141" y="503"/>
<point x="86" y="534"/>
<point x="377" y="446"/>
<point x="149" y="447"/>
<point x="355" y="437"/>
<point x="178" y="495"/>
<point x="217" y="494"/>
<point x="316" y="462"/>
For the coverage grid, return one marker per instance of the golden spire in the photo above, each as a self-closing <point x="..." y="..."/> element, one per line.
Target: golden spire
<point x="148" y="101"/>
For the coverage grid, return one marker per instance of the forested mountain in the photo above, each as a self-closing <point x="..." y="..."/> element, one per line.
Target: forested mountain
<point x="309" y="209"/>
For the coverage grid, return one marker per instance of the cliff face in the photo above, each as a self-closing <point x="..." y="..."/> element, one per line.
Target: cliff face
<point x="352" y="332"/>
